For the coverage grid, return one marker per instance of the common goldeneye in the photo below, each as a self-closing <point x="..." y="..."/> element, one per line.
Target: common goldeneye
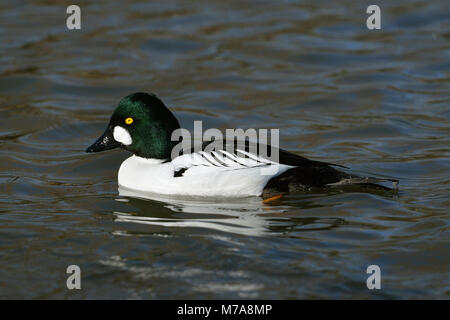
<point x="143" y="125"/>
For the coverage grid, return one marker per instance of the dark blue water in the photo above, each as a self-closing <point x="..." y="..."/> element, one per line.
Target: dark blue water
<point x="375" y="101"/>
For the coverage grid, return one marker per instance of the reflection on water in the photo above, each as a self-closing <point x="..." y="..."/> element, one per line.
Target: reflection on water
<point x="242" y="217"/>
<point x="248" y="216"/>
<point x="375" y="101"/>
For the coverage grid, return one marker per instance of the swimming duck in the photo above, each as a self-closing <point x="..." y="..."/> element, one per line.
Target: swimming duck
<point x="143" y="125"/>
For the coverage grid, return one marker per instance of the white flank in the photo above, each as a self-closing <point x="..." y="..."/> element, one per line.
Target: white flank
<point x="122" y="135"/>
<point x="203" y="175"/>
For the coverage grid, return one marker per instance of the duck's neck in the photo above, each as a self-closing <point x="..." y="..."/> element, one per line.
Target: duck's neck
<point x="156" y="145"/>
<point x="158" y="151"/>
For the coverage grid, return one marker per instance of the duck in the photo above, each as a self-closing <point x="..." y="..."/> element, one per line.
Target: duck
<point x="144" y="126"/>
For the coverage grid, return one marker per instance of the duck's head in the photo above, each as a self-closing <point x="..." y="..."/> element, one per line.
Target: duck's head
<point x="141" y="124"/>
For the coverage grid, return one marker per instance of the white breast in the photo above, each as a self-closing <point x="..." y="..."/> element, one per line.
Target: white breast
<point x="202" y="176"/>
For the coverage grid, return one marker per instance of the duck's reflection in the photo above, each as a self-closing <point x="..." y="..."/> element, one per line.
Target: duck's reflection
<point x="247" y="216"/>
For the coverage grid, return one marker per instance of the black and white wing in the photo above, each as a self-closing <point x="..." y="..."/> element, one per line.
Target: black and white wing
<point x="226" y="156"/>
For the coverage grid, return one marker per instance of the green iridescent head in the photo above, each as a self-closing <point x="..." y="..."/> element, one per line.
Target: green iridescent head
<point x="141" y="124"/>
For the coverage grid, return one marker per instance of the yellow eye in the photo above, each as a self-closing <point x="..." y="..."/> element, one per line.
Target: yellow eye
<point x="129" y="120"/>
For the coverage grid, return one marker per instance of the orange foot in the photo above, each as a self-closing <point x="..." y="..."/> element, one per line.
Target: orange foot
<point x="278" y="196"/>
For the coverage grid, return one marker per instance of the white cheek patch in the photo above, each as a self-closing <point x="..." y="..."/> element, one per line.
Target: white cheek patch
<point x="122" y="135"/>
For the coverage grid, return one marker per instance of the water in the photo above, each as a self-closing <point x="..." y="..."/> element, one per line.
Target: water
<point x="376" y="101"/>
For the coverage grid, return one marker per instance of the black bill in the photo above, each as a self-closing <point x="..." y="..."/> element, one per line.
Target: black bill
<point x="105" y="142"/>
